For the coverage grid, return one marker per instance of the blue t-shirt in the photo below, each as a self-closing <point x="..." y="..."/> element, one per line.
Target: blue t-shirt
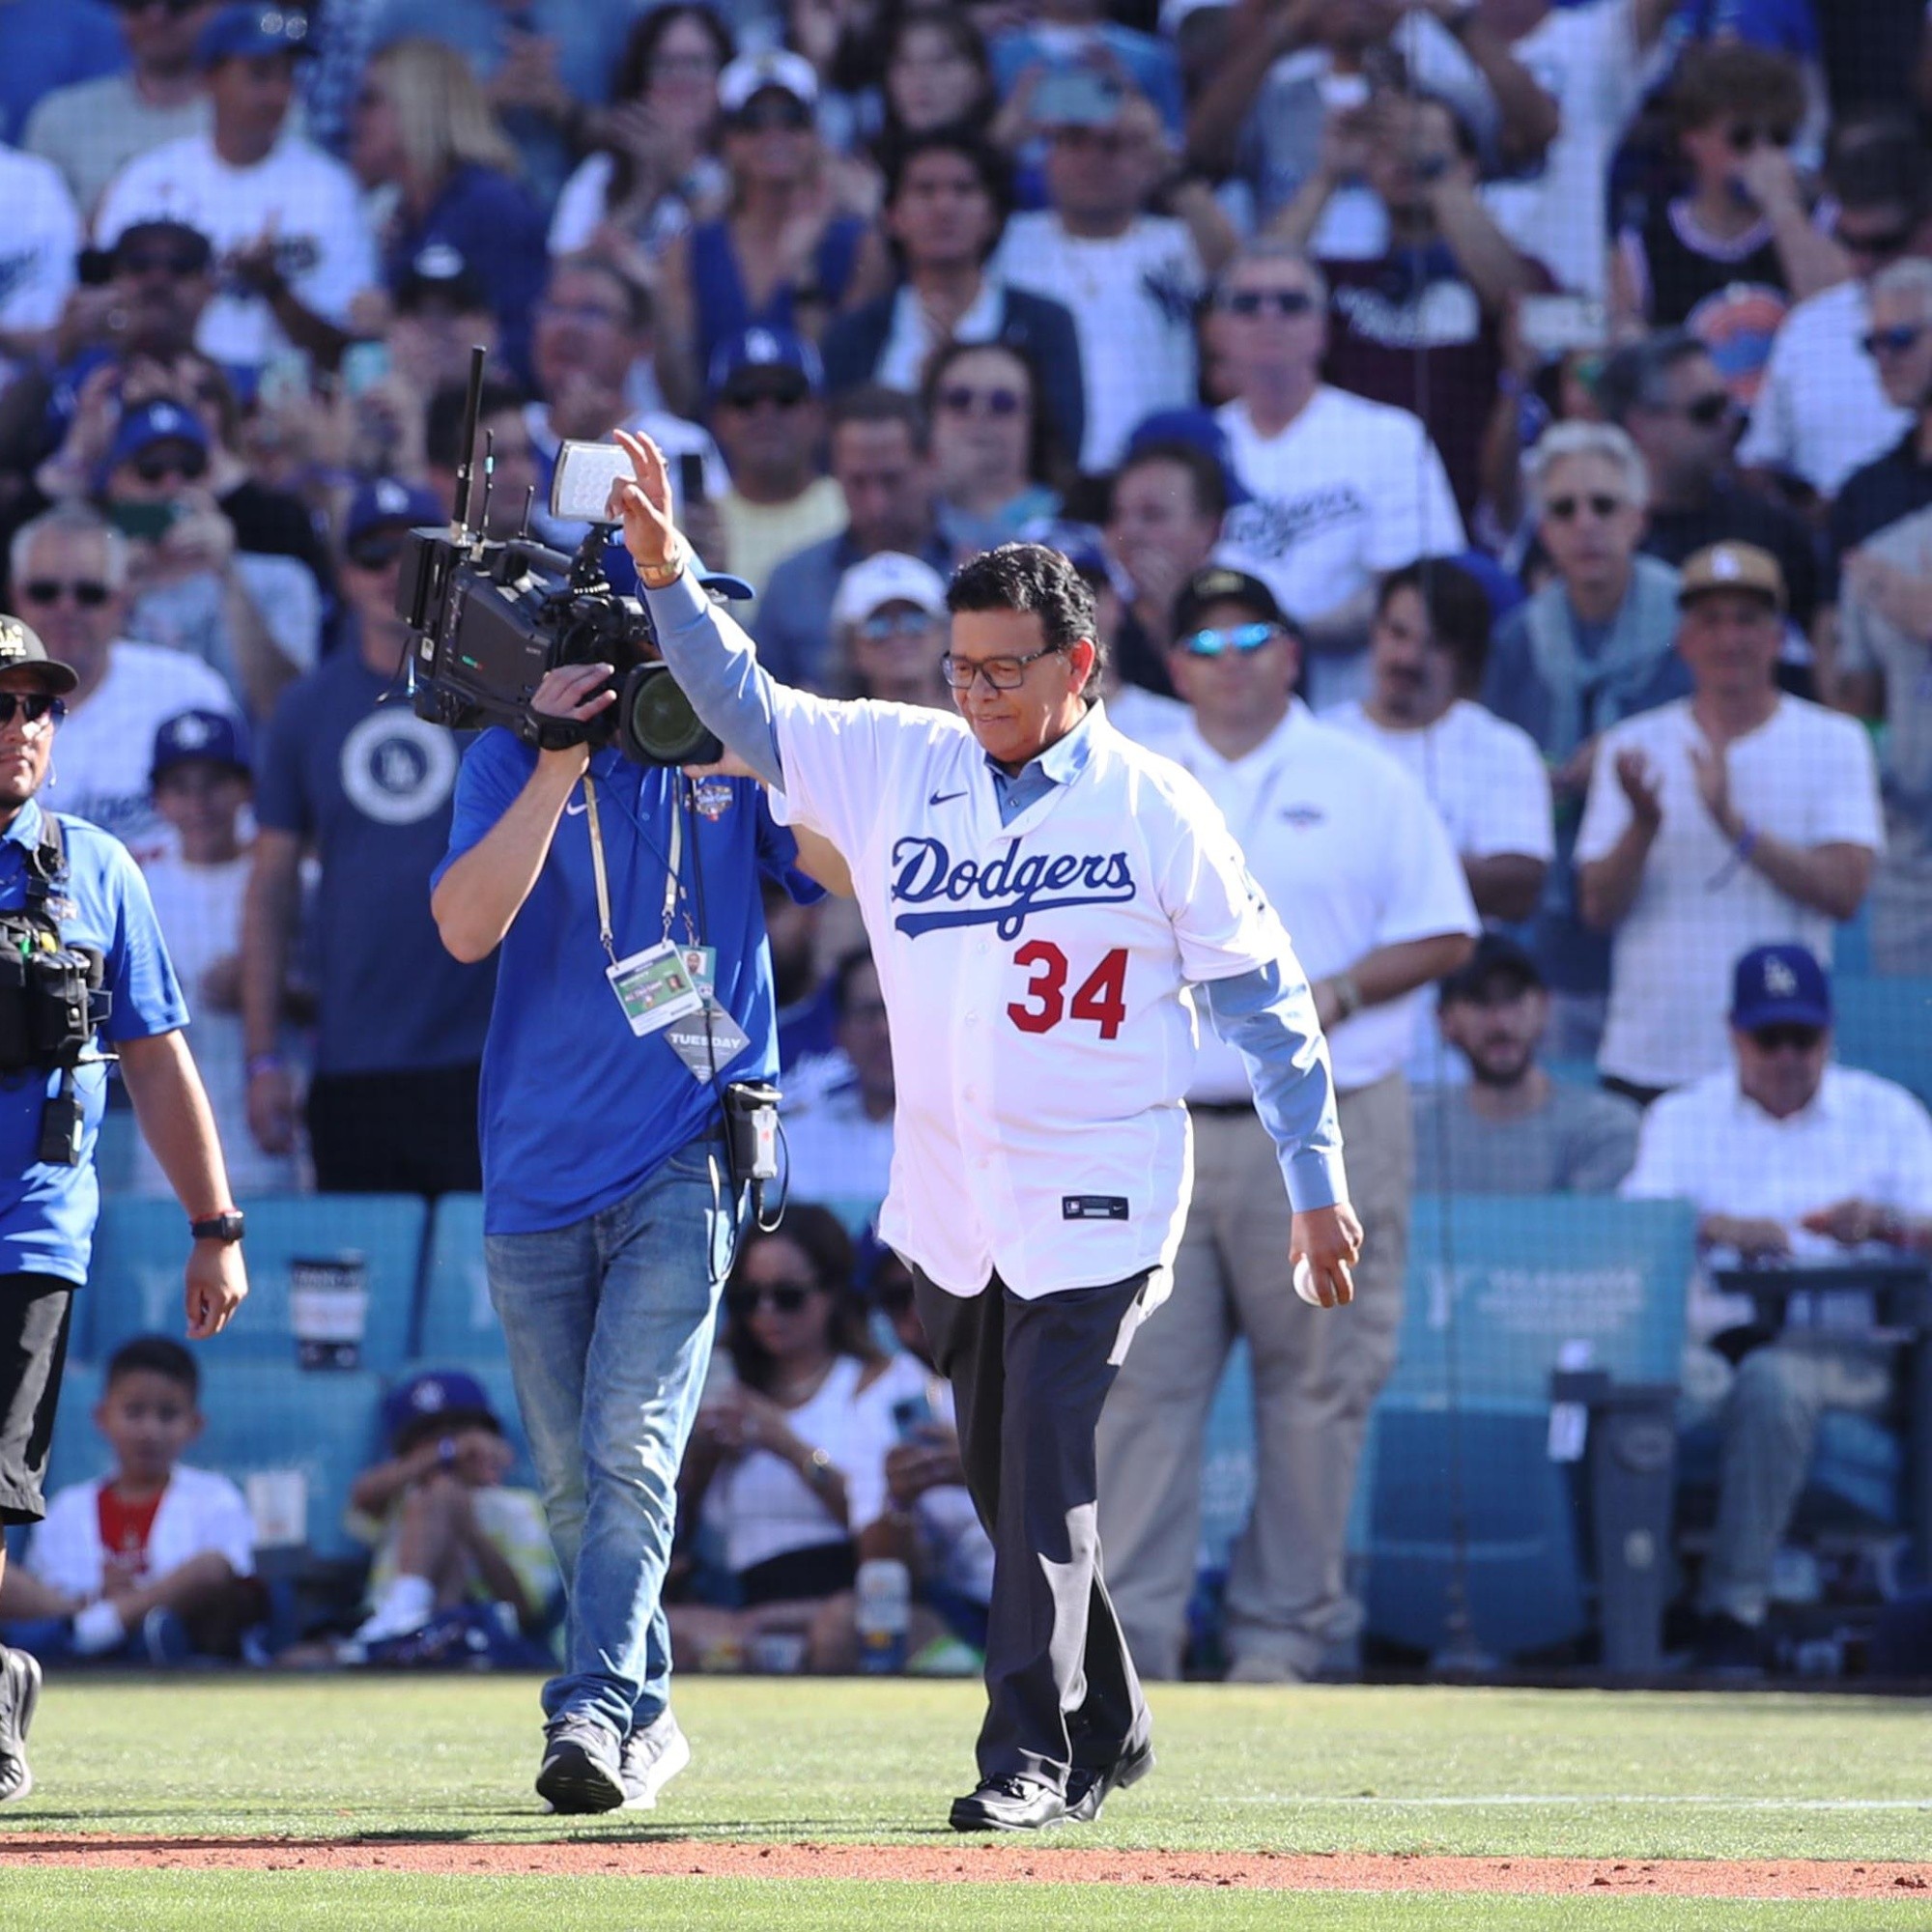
<point x="369" y="785"/>
<point x="576" y="1111"/>
<point x="47" y="1214"/>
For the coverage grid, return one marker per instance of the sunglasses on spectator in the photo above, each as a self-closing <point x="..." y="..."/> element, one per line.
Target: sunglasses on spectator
<point x="770" y="113"/>
<point x="190" y="464"/>
<point x="787" y="1298"/>
<point x="883" y="625"/>
<point x="779" y="395"/>
<point x="1286" y="303"/>
<point x="1708" y="411"/>
<point x="88" y="592"/>
<point x="32" y="706"/>
<point x="962" y="399"/>
<point x="375" y="553"/>
<point x="1792" y="1034"/>
<point x="1242" y="639"/>
<point x="1566" y="509"/>
<point x="1894" y="341"/>
<point x="1880" y="241"/>
<point x="181" y="261"/>
<point x="1744" y="137"/>
<point x="1002" y="673"/>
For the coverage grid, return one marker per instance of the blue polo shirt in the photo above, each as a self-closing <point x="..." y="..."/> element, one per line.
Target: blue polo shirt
<point x="576" y="1110"/>
<point x="47" y="1214"/>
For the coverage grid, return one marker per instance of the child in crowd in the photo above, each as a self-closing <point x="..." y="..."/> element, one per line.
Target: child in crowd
<point x="154" y="1563"/>
<point x="452" y="1542"/>
<point x="202" y="781"/>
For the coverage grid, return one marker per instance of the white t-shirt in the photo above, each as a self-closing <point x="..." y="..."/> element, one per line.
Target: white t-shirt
<point x="1862" y="1137"/>
<point x="1820" y="412"/>
<point x="38" y="249"/>
<point x="763" y="1508"/>
<point x="1037" y="975"/>
<point x="105" y="748"/>
<point x="199" y="1511"/>
<point x="1353" y="856"/>
<point x="1586" y="59"/>
<point x="1805" y="775"/>
<point x="835" y="1148"/>
<point x="311" y="201"/>
<point x="199" y="908"/>
<point x="1133" y="298"/>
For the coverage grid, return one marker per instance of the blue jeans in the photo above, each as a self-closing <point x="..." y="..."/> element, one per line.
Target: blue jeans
<point x="610" y="1323"/>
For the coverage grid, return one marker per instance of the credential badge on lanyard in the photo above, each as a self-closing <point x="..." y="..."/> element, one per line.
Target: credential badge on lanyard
<point x="655" y="986"/>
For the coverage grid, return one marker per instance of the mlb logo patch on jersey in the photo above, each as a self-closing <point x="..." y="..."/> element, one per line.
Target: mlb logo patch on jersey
<point x="1093" y="1206"/>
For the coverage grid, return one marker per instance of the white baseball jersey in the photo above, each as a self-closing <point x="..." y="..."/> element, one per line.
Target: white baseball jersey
<point x="1036" y="974"/>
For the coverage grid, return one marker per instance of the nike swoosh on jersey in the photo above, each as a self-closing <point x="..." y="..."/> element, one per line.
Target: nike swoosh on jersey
<point x="945" y="797"/>
<point x="575" y="809"/>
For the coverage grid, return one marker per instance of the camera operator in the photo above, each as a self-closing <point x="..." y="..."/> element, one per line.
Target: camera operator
<point x="611" y="1202"/>
<point x="68" y="889"/>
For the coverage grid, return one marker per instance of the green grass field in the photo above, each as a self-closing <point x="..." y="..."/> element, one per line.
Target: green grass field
<point x="1497" y="1772"/>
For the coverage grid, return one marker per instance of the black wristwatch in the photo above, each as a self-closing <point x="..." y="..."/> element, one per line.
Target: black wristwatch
<point x="225" y="1226"/>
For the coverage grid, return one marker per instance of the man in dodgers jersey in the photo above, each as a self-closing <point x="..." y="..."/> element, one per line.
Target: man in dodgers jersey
<point x="1041" y="895"/>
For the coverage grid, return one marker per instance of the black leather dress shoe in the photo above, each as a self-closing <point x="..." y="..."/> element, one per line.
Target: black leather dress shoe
<point x="1008" y="1804"/>
<point x="1087" y="1790"/>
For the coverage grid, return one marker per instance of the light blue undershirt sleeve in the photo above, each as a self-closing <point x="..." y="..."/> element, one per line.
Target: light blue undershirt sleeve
<point x="716" y="667"/>
<point x="1271" y="1024"/>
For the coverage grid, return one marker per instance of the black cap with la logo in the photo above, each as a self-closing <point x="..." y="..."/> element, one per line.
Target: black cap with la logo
<point x="21" y="649"/>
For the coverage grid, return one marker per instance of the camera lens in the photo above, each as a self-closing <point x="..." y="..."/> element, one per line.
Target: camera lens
<point x="656" y="724"/>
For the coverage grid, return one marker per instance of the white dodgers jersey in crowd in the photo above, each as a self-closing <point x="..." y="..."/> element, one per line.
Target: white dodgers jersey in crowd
<point x="1036" y="975"/>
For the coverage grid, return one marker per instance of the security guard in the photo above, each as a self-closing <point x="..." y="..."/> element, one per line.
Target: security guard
<point x="83" y="976"/>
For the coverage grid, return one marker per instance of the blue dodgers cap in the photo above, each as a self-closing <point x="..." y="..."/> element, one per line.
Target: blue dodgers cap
<point x="764" y="348"/>
<point x="159" y="421"/>
<point x="206" y="737"/>
<point x="236" y="33"/>
<point x="431" y="1393"/>
<point x="388" y="499"/>
<point x="1780" y="985"/>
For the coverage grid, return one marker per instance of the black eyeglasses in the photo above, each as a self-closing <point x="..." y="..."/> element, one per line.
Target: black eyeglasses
<point x="32" y="706"/>
<point x="1878" y="243"/>
<point x="190" y="464"/>
<point x="87" y="592"/>
<point x="161" y="261"/>
<point x="375" y="552"/>
<point x="787" y="1298"/>
<point x="781" y="396"/>
<point x="1744" y="137"/>
<point x="1708" y="411"/>
<point x="1791" y="1035"/>
<point x="1894" y="341"/>
<point x="1262" y="301"/>
<point x="771" y="114"/>
<point x="1566" y="509"/>
<point x="1002" y="673"/>
<point x="961" y="399"/>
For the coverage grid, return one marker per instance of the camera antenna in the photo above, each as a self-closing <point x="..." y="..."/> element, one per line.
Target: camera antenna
<point x="529" y="504"/>
<point x="489" y="480"/>
<point x="472" y="411"/>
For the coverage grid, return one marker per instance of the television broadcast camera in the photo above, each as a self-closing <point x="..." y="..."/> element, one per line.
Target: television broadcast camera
<point x="491" y="616"/>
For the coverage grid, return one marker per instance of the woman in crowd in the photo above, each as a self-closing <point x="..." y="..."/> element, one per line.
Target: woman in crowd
<point x="937" y="75"/>
<point x="992" y="447"/>
<point x="786" y="1466"/>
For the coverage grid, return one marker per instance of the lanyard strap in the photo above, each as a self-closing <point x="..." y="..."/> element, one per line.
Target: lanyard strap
<point x="602" y="878"/>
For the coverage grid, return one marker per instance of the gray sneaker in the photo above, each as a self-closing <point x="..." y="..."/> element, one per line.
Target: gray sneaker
<point x="652" y="1758"/>
<point x="19" y="1693"/>
<point x="580" y="1767"/>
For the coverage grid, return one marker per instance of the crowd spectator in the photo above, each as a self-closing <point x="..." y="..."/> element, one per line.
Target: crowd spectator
<point x="69" y="569"/>
<point x="1787" y="1158"/>
<point x="786" y="1468"/>
<point x="652" y="172"/>
<point x="890" y="617"/>
<point x="936" y="74"/>
<point x="154" y="1562"/>
<point x="366" y="787"/>
<point x="1426" y="652"/>
<point x="1510" y="1127"/>
<point x="1717" y="822"/>
<point x="882" y="461"/>
<point x="1163" y="519"/>
<point x="1130" y="278"/>
<point x="1351" y="854"/>
<point x="994" y="458"/>
<point x="503" y="429"/>
<point x="284" y="216"/>
<point x="1668" y="394"/>
<point x="1061" y="41"/>
<point x="1592" y="646"/>
<point x="43" y="238"/>
<point x="839" y="1113"/>
<point x="1898" y="482"/>
<point x="91" y="130"/>
<point x="1340" y="489"/>
<point x="945" y="204"/>
<point x="1820" y="411"/>
<point x="425" y="139"/>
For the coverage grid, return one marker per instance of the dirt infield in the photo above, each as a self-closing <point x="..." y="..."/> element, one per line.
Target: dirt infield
<point x="927" y="1865"/>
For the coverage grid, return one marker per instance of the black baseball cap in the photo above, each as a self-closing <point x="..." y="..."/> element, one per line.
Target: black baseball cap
<point x="1222" y="583"/>
<point x="1495" y="958"/>
<point x="21" y="649"/>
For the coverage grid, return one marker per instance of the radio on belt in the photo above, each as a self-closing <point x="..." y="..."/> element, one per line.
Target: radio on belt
<point x="751" y="1116"/>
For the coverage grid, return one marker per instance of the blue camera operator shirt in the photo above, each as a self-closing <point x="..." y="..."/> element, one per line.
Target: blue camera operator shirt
<point x="47" y="1214"/>
<point x="576" y="1110"/>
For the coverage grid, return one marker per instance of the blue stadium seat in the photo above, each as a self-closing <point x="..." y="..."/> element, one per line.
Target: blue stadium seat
<point x="1885" y="1025"/>
<point x="135" y="1286"/>
<point x="457" y="1317"/>
<point x="1498" y="1285"/>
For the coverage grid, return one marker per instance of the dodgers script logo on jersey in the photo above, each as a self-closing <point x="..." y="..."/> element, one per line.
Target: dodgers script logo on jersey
<point x="1005" y="891"/>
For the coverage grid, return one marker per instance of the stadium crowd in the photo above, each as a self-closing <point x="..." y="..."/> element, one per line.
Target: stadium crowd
<point x="1498" y="435"/>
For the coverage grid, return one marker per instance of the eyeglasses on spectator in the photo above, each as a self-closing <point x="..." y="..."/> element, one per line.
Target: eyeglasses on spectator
<point x="90" y="593"/>
<point x="1567" y="509"/>
<point x="31" y="705"/>
<point x="1241" y="640"/>
<point x="1284" y="302"/>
